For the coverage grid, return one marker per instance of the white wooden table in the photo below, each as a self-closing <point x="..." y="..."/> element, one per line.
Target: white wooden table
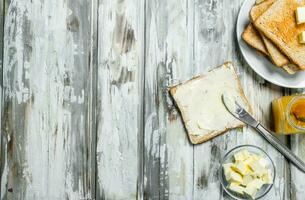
<point x="85" y="108"/>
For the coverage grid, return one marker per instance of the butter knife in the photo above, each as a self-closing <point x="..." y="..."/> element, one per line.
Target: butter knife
<point x="234" y="107"/>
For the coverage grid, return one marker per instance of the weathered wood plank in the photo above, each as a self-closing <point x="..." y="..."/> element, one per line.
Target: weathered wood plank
<point x="215" y="42"/>
<point x="297" y="143"/>
<point x="46" y="70"/>
<point x="261" y="94"/>
<point x="92" y="109"/>
<point x="2" y="145"/>
<point x="297" y="177"/>
<point x="168" y="153"/>
<point x="119" y="99"/>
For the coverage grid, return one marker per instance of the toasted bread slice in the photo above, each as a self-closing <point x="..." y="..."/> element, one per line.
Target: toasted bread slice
<point x="252" y="37"/>
<point x="250" y="34"/>
<point x="276" y="56"/>
<point x="259" y="9"/>
<point x="200" y="103"/>
<point x="291" y="68"/>
<point x="279" y="25"/>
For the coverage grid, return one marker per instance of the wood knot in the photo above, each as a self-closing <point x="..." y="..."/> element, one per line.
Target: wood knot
<point x="72" y="23"/>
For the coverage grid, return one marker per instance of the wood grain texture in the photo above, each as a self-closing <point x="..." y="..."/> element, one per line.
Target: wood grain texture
<point x="215" y="43"/>
<point x="297" y="177"/>
<point x="119" y="99"/>
<point x="86" y="109"/>
<point x="214" y="25"/>
<point x="297" y="143"/>
<point x="45" y="75"/>
<point x="92" y="110"/>
<point x="168" y="153"/>
<point x="2" y="146"/>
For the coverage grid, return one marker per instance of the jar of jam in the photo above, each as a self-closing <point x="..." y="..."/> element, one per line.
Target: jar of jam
<point x="289" y="114"/>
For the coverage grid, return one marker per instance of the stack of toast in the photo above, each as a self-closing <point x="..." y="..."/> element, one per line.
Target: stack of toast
<point x="273" y="31"/>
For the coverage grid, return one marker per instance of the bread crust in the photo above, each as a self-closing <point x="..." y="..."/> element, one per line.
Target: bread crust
<point x="259" y="9"/>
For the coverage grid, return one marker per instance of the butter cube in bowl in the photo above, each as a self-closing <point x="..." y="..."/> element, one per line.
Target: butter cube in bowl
<point x="247" y="172"/>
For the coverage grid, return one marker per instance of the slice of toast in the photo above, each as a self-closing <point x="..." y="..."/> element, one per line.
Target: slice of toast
<point x="250" y="34"/>
<point x="200" y="103"/>
<point x="278" y="24"/>
<point x="276" y="56"/>
<point x="252" y="38"/>
<point x="291" y="68"/>
<point x="259" y="9"/>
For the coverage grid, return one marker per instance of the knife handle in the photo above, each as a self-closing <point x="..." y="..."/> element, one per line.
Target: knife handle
<point x="282" y="148"/>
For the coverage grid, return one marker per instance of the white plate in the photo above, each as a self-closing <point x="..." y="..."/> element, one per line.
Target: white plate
<point x="261" y="64"/>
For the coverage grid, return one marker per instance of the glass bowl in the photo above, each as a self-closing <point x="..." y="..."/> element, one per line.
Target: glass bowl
<point x="229" y="157"/>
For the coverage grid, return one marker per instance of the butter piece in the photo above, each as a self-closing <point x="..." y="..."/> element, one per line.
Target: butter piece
<point x="246" y="154"/>
<point x="249" y="160"/>
<point x="300" y="15"/>
<point x="227" y="169"/>
<point x="251" y="191"/>
<point x="267" y="177"/>
<point x="257" y="168"/>
<point x="239" y="156"/>
<point x="236" y="188"/>
<point x="246" y="180"/>
<point x="240" y="167"/>
<point x="242" y="155"/>
<point x="236" y="176"/>
<point x="227" y="166"/>
<point x="302" y="37"/>
<point x="249" y="171"/>
<point x="263" y="162"/>
<point x="256" y="157"/>
<point x="257" y="183"/>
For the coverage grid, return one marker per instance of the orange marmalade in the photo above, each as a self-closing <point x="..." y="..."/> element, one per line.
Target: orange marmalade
<point x="289" y="114"/>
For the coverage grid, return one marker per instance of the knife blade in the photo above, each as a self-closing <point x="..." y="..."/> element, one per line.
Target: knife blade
<point x="234" y="106"/>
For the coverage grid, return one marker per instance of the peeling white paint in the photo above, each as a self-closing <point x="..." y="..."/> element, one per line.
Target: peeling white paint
<point x="117" y="144"/>
<point x="4" y="177"/>
<point x="215" y="43"/>
<point x="184" y="38"/>
<point x="168" y="59"/>
<point x="53" y="132"/>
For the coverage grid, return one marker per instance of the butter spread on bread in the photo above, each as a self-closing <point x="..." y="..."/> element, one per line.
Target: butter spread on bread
<point x="200" y="103"/>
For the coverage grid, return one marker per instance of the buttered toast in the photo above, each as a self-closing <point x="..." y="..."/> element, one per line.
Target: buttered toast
<point x="200" y="103"/>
